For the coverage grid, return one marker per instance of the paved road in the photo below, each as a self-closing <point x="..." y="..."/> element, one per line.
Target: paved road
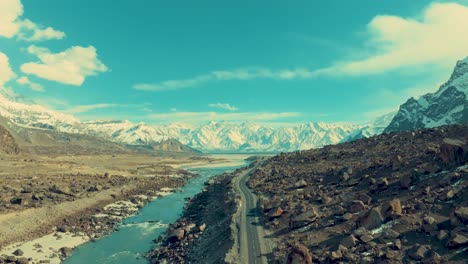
<point x="253" y="247"/>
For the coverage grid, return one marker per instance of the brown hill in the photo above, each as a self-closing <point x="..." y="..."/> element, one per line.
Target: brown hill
<point x="7" y="142"/>
<point x="394" y="198"/>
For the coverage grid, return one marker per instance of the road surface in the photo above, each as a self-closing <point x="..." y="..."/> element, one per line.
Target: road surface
<point x="253" y="245"/>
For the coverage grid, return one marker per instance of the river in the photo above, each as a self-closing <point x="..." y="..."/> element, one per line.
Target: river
<point x="135" y="235"/>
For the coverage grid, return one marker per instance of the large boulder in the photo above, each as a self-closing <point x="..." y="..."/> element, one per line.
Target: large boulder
<point x="453" y="151"/>
<point x="462" y="214"/>
<point x="391" y="209"/>
<point x="371" y="219"/>
<point x="304" y="219"/>
<point x="299" y="255"/>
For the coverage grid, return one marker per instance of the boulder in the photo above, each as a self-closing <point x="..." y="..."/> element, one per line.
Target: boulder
<point x="18" y="253"/>
<point x="356" y="207"/>
<point x="366" y="199"/>
<point x="66" y="252"/>
<point x="371" y="219"/>
<point x="442" y="235"/>
<point x="457" y="240"/>
<point x="462" y="214"/>
<point x="61" y="190"/>
<point x="299" y="254"/>
<point x="419" y="252"/>
<point x="391" y="209"/>
<point x="22" y="261"/>
<point x="202" y="227"/>
<point x="18" y="201"/>
<point x="349" y="242"/>
<point x="453" y="151"/>
<point x="300" y="184"/>
<point x="405" y="182"/>
<point x="63" y="228"/>
<point x="275" y="212"/>
<point x="176" y="235"/>
<point x="304" y="219"/>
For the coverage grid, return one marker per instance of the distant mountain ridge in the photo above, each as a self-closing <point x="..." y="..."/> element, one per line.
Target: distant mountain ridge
<point x="449" y="105"/>
<point x="213" y="137"/>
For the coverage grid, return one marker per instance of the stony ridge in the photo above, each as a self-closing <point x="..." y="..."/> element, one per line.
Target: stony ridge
<point x="392" y="198"/>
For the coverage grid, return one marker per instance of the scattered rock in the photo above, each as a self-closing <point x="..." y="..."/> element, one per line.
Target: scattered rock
<point x="202" y="227"/>
<point x="442" y="235"/>
<point x="22" y="261"/>
<point x="176" y="235"/>
<point x="300" y="254"/>
<point x="366" y="199"/>
<point x="457" y="240"/>
<point x="66" y="252"/>
<point x="372" y="219"/>
<point x="304" y="219"/>
<point x="391" y="209"/>
<point x="275" y="212"/>
<point x="18" y="253"/>
<point x="405" y="181"/>
<point x="349" y="242"/>
<point x="419" y="252"/>
<point x="300" y="184"/>
<point x="61" y="190"/>
<point x="462" y="214"/>
<point x="356" y="206"/>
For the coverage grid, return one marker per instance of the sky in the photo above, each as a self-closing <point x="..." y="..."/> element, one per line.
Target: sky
<point x="197" y="61"/>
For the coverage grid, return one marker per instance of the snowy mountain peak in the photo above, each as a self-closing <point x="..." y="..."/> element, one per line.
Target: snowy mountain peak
<point x="446" y="106"/>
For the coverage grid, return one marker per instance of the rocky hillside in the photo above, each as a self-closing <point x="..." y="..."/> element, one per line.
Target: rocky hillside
<point x="392" y="198"/>
<point x="449" y="105"/>
<point x="7" y="142"/>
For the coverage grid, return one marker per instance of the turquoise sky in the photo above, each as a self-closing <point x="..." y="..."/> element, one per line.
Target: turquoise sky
<point x="266" y="61"/>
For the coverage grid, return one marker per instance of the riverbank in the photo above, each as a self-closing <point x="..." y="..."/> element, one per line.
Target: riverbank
<point x="203" y="233"/>
<point x="207" y="232"/>
<point x="53" y="204"/>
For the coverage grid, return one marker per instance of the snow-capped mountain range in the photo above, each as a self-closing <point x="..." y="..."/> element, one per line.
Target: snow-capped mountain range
<point x="210" y="137"/>
<point x="449" y="105"/>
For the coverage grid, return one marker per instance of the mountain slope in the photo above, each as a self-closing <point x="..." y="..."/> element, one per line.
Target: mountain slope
<point x="372" y="129"/>
<point x="449" y="105"/>
<point x="7" y="142"/>
<point x="39" y="127"/>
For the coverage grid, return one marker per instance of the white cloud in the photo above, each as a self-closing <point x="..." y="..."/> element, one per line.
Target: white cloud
<point x="224" y="106"/>
<point x="12" y="25"/>
<point x="86" y="108"/>
<point x="439" y="36"/>
<point x="32" y="85"/>
<point x="6" y="73"/>
<point x="239" y="74"/>
<point x="32" y="32"/>
<point x="71" y="66"/>
<point x="198" y="117"/>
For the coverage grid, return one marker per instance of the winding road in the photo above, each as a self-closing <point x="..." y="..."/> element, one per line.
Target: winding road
<point x="253" y="246"/>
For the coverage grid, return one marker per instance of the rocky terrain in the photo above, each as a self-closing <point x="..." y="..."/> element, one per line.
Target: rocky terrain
<point x="79" y="197"/>
<point x="203" y="234"/>
<point x="393" y="198"/>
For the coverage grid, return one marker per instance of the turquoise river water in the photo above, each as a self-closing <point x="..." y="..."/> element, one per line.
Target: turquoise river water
<point x="136" y="234"/>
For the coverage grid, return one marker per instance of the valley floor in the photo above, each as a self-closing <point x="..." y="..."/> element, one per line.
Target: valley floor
<point x="59" y="202"/>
